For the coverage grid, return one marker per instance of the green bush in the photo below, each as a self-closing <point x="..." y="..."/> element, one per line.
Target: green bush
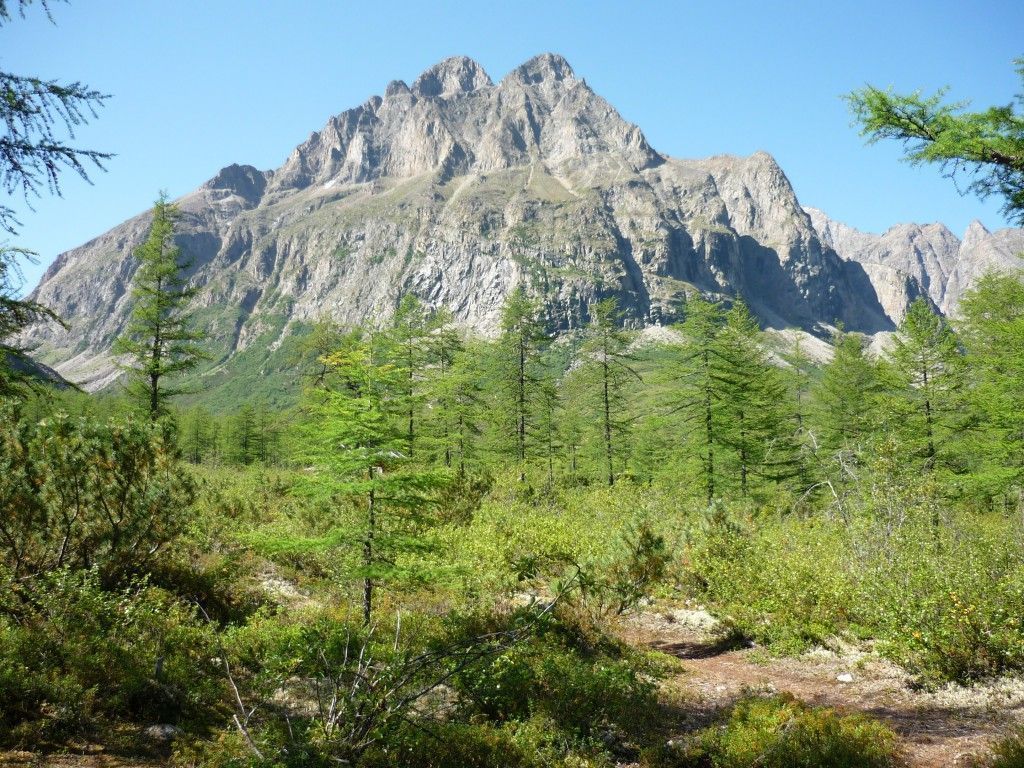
<point x="781" y="732"/>
<point x="952" y="607"/>
<point x="565" y="673"/>
<point x="786" y="585"/>
<point x="74" y="656"/>
<point x="1008" y="752"/>
<point x="80" y="493"/>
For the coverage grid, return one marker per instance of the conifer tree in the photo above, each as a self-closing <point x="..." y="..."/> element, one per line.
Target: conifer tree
<point x="246" y="435"/>
<point x="701" y="379"/>
<point x="758" y="423"/>
<point x="409" y="349"/>
<point x="846" y="414"/>
<point x="606" y="369"/>
<point x="993" y="334"/>
<point x="355" y="441"/>
<point x="846" y="396"/>
<point x="160" y="341"/>
<point x="518" y="350"/>
<point x="928" y="398"/>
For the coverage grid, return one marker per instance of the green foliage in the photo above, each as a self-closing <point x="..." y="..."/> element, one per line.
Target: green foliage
<point x="73" y="656"/>
<point x="356" y="449"/>
<point x="987" y="146"/>
<point x="1007" y="752"/>
<point x="517" y="376"/>
<point x="79" y="493"/>
<point x="781" y="732"/>
<point x="159" y="341"/>
<point x="603" y="378"/>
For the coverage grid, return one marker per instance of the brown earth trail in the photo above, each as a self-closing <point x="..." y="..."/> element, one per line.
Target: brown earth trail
<point x="948" y="727"/>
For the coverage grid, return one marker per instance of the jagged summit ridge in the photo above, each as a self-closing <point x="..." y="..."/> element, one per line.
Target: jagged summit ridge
<point x="450" y="77"/>
<point x="453" y="120"/>
<point x="460" y="189"/>
<point x="911" y="260"/>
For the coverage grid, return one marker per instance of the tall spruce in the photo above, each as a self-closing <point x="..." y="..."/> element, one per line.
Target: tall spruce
<point x="160" y="342"/>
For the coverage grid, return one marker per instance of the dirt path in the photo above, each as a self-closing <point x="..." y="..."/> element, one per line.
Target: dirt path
<point x="939" y="729"/>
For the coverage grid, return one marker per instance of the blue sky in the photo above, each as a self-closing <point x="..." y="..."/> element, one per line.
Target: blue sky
<point x="199" y="84"/>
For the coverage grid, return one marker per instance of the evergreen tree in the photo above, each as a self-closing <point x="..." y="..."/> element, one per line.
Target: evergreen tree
<point x="408" y="340"/>
<point x="700" y="377"/>
<point x="988" y="146"/>
<point x="845" y="412"/>
<point x="758" y="424"/>
<point x="197" y="435"/>
<point x="927" y="401"/>
<point x="355" y="441"/>
<point x="159" y="342"/>
<point x="245" y="435"/>
<point x="517" y="378"/>
<point x="605" y="367"/>
<point x="33" y="154"/>
<point x="993" y="334"/>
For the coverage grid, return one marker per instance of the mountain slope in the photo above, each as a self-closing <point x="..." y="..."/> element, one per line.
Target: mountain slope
<point x="911" y="260"/>
<point x="459" y="190"/>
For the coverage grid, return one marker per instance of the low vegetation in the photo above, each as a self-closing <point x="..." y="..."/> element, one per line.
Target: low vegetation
<point x="426" y="562"/>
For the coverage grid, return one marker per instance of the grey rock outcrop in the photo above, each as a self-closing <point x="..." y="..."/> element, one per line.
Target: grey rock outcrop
<point x="460" y="189"/>
<point x="912" y="260"/>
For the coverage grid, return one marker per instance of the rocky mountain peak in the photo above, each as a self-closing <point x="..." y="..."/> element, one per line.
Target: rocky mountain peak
<point x="545" y="67"/>
<point x="244" y="181"/>
<point x="451" y="77"/>
<point x="975" y="234"/>
<point x="459" y="191"/>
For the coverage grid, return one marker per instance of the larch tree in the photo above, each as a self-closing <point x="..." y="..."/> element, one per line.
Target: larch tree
<point x="605" y="365"/>
<point x="992" y="331"/>
<point x="160" y="342"/>
<point x="699" y="374"/>
<point x="987" y="146"/>
<point x="518" y="350"/>
<point x="36" y="116"/>
<point x="355" y="443"/>
<point x="929" y="373"/>
<point x="846" y="412"/>
<point x="758" y="418"/>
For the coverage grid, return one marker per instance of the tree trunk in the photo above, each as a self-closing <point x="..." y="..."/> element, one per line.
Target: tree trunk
<point x="371" y="529"/>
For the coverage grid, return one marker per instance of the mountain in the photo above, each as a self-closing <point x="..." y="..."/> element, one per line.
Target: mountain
<point x="459" y="189"/>
<point x="912" y="260"/>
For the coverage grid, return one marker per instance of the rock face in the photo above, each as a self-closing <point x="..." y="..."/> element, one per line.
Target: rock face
<point x="912" y="260"/>
<point x="460" y="190"/>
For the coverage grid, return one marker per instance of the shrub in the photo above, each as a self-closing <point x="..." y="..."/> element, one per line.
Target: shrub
<point x="79" y="493"/>
<point x="786" y="585"/>
<point x="952" y="608"/>
<point x="575" y="678"/>
<point x="73" y="656"/>
<point x="1008" y="752"/>
<point x="780" y="732"/>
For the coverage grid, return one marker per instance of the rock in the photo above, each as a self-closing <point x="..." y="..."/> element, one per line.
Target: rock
<point x="162" y="732"/>
<point x="460" y="190"/>
<point x="912" y="260"/>
<point x="846" y="677"/>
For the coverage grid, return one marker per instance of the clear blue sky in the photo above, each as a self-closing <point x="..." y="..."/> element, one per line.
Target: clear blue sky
<point x="199" y="84"/>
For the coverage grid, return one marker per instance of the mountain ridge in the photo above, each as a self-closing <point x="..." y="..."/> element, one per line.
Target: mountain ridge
<point x="460" y="189"/>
